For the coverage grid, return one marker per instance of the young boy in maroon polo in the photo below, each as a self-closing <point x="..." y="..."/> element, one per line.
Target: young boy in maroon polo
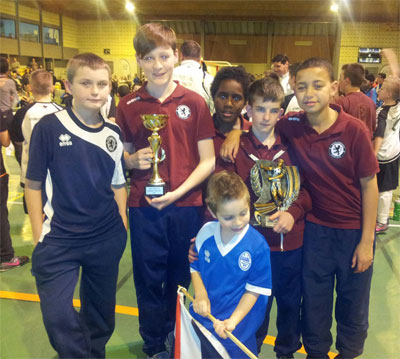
<point x="161" y="227"/>
<point x="263" y="142"/>
<point x="334" y="152"/>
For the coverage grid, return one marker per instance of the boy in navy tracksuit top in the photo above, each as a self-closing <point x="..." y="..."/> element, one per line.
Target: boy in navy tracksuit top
<point x="161" y="227"/>
<point x="75" y="162"/>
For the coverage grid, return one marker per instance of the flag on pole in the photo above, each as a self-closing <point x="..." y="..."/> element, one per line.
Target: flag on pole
<point x="192" y="340"/>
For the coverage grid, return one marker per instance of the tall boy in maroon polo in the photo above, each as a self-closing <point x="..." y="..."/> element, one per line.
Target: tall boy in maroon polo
<point x="263" y="142"/>
<point x="161" y="227"/>
<point x="334" y="151"/>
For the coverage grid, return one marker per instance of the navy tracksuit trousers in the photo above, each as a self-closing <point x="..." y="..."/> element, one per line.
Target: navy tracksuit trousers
<point x="82" y="334"/>
<point x="327" y="261"/>
<point x="160" y="244"/>
<point x="286" y="270"/>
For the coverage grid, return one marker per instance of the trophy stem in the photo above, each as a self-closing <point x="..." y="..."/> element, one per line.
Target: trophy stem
<point x="155" y="177"/>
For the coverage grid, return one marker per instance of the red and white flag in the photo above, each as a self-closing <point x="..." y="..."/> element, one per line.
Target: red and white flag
<point x="192" y="340"/>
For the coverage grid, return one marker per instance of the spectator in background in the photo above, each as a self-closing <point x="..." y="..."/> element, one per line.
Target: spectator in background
<point x="8" y="94"/>
<point x="123" y="90"/>
<point x="355" y="102"/>
<point x="280" y="65"/>
<point x="290" y="104"/>
<point x="368" y="87"/>
<point x="191" y="74"/>
<point x="15" y="65"/>
<point x="379" y="82"/>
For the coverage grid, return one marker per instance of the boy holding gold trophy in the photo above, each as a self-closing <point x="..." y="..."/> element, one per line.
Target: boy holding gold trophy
<point x="165" y="200"/>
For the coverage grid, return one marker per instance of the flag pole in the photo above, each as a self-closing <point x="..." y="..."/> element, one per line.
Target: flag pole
<point x="213" y="319"/>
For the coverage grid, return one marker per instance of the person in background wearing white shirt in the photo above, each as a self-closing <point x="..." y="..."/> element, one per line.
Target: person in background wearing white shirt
<point x="190" y="73"/>
<point x="280" y="65"/>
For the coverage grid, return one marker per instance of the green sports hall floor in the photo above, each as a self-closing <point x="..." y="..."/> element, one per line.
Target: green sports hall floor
<point x="23" y="335"/>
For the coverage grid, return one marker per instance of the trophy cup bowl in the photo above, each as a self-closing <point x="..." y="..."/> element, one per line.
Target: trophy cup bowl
<point x="155" y="122"/>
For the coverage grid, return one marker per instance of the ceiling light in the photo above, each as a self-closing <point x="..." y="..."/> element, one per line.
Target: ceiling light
<point x="129" y="6"/>
<point x="334" y="7"/>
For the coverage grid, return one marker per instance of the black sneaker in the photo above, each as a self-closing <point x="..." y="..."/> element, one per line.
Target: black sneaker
<point x="13" y="263"/>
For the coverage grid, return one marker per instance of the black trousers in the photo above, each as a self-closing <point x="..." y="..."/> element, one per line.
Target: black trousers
<point x="327" y="263"/>
<point x="6" y="248"/>
<point x="160" y="244"/>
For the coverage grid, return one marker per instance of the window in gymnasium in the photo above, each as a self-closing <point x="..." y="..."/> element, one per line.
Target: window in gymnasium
<point x="7" y="28"/>
<point x="51" y="35"/>
<point x="28" y="32"/>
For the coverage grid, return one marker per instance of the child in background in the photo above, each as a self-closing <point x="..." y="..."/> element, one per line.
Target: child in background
<point x="387" y="148"/>
<point x="28" y="116"/>
<point x="75" y="158"/>
<point x="232" y="276"/>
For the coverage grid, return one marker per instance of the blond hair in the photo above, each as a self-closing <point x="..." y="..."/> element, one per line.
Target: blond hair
<point x="41" y="82"/>
<point x="87" y="59"/>
<point x="225" y="186"/>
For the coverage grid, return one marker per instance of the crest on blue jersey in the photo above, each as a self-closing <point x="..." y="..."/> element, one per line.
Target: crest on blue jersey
<point x="111" y="143"/>
<point x="245" y="261"/>
<point x="337" y="149"/>
<point x="183" y="112"/>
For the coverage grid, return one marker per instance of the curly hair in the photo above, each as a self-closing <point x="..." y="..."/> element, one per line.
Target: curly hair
<point x="237" y="73"/>
<point x="225" y="186"/>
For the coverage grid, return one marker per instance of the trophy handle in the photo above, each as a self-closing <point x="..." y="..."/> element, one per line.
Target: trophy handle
<point x="162" y="155"/>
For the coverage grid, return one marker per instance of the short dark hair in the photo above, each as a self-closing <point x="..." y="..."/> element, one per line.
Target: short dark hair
<point x="355" y="73"/>
<point x="152" y="35"/>
<point x="237" y="73"/>
<point x="191" y="49"/>
<point x="317" y="62"/>
<point x="268" y="88"/>
<point x="225" y="186"/>
<point x="283" y="59"/>
<point x="370" y="77"/>
<point x="382" y="74"/>
<point x="123" y="90"/>
<point x="87" y="59"/>
<point x="3" y="65"/>
<point x="293" y="69"/>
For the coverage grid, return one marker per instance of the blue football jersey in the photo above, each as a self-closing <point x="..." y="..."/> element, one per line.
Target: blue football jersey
<point x="77" y="165"/>
<point x="229" y="270"/>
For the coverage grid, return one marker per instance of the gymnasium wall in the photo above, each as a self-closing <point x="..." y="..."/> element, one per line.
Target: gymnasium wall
<point x="249" y="50"/>
<point x="381" y="35"/>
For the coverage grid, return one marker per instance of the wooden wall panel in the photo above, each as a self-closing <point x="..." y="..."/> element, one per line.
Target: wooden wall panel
<point x="236" y="48"/>
<point x="299" y="48"/>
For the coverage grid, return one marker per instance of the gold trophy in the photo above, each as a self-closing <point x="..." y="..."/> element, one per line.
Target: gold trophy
<point x="156" y="186"/>
<point x="276" y="185"/>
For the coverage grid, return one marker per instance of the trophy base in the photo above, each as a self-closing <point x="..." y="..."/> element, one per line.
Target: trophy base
<point x="155" y="190"/>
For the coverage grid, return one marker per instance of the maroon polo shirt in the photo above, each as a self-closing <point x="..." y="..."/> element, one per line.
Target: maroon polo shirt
<point x="332" y="163"/>
<point x="189" y="122"/>
<point x="220" y="137"/>
<point x="250" y="145"/>
<point x="360" y="106"/>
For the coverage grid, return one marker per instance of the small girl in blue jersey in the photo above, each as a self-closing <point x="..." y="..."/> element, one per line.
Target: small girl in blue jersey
<point x="232" y="275"/>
